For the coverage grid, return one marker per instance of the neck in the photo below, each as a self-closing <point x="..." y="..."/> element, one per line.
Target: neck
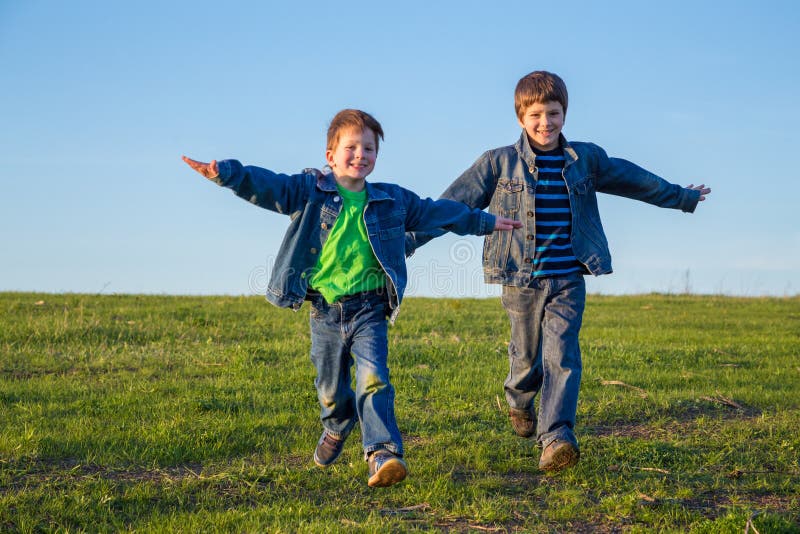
<point x="350" y="184"/>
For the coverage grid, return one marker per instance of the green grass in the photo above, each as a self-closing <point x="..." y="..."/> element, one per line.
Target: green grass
<point x="199" y="414"/>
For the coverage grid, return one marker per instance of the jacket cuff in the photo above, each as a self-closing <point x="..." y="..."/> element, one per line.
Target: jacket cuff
<point x="691" y="200"/>
<point x="225" y="170"/>
<point x="410" y="245"/>
<point x="487" y="223"/>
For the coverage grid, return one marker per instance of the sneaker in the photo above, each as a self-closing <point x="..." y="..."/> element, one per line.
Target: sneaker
<point x="328" y="449"/>
<point x="385" y="469"/>
<point x="559" y="455"/>
<point x="523" y="422"/>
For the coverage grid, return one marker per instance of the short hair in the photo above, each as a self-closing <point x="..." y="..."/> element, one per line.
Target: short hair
<point x="539" y="87"/>
<point x="352" y="118"/>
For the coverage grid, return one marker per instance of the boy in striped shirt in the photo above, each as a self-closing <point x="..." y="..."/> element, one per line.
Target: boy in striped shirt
<point x="550" y="185"/>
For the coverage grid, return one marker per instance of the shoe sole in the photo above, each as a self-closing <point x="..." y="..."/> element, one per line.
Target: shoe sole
<point x="390" y="473"/>
<point x="563" y="458"/>
<point x="320" y="464"/>
<point x="330" y="462"/>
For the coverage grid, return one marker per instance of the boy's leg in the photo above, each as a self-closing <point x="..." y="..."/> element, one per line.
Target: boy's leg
<point x="331" y="358"/>
<point x="374" y="392"/>
<point x="561" y="357"/>
<point x="525" y="308"/>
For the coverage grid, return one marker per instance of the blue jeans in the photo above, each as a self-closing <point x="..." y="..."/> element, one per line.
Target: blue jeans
<point x="355" y="327"/>
<point x="544" y="354"/>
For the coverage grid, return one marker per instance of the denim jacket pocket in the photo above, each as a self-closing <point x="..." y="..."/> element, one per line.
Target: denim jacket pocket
<point x="392" y="241"/>
<point x="584" y="185"/>
<point x="508" y="196"/>
<point x="587" y="216"/>
<point x="510" y="185"/>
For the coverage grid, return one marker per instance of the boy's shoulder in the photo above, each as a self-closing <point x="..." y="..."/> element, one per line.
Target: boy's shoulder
<point x="507" y="150"/>
<point x="382" y="190"/>
<point x="585" y="146"/>
<point x="584" y="150"/>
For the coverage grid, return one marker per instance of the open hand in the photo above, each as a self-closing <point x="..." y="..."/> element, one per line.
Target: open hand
<point x="702" y="188"/>
<point x="209" y="170"/>
<point x="501" y="223"/>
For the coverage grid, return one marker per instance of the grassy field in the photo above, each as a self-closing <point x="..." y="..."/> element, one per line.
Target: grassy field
<point x="198" y="414"/>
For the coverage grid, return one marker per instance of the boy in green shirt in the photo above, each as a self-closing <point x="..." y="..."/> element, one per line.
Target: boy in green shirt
<point x="345" y="252"/>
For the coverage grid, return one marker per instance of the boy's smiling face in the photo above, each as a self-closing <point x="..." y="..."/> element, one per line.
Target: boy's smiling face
<point x="543" y="122"/>
<point x="353" y="157"/>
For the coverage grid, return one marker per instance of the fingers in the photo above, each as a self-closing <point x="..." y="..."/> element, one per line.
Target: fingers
<point x="502" y="223"/>
<point x="196" y="165"/>
<point x="702" y="189"/>
<point x="192" y="163"/>
<point x="209" y="170"/>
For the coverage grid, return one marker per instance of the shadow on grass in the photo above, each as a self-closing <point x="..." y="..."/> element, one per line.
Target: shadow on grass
<point x="681" y="414"/>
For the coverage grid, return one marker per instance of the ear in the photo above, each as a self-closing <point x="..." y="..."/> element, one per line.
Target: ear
<point x="519" y="121"/>
<point x="329" y="158"/>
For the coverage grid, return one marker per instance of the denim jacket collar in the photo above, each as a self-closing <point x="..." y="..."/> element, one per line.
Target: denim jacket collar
<point x="527" y="154"/>
<point x="327" y="183"/>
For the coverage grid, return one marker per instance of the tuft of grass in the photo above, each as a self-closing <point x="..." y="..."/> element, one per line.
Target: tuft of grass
<point x="176" y="414"/>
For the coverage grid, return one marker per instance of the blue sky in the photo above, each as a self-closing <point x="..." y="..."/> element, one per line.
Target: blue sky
<point x="98" y="100"/>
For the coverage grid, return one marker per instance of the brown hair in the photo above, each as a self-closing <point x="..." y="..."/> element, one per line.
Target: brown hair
<point x="539" y="87"/>
<point x="353" y="118"/>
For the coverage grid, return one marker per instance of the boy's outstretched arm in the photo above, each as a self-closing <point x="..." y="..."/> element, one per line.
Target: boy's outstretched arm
<point x="474" y="188"/>
<point x="281" y="193"/>
<point x="449" y="215"/>
<point x="617" y="176"/>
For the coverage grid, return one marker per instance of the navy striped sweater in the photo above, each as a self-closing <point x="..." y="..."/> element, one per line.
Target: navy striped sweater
<point x="553" y="255"/>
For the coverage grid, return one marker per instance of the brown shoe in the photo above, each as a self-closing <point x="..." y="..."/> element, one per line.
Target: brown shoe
<point x="329" y="447"/>
<point x="385" y="469"/>
<point x="559" y="455"/>
<point x="523" y="422"/>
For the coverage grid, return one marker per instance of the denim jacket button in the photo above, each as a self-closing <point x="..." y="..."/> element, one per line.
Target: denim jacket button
<point x="324" y="226"/>
<point x="530" y="214"/>
<point x="532" y="169"/>
<point x="530" y="237"/>
<point x="336" y="199"/>
<point x="528" y="260"/>
<point x="313" y="251"/>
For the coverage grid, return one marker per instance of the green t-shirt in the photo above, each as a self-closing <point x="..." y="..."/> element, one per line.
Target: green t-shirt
<point x="347" y="264"/>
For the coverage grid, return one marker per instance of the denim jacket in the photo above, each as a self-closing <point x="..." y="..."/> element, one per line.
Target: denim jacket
<point x="504" y="179"/>
<point x="313" y="205"/>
